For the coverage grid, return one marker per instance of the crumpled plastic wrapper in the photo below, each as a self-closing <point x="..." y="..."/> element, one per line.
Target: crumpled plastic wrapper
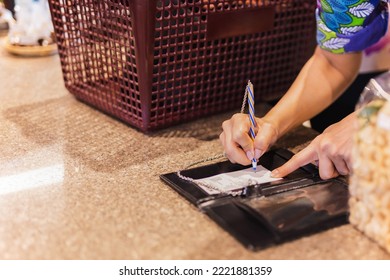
<point x="370" y="180"/>
<point x="33" y="24"/>
<point x="376" y="89"/>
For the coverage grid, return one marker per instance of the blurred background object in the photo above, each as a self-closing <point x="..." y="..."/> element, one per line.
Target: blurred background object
<point x="31" y="30"/>
<point x="5" y="11"/>
<point x="9" y="5"/>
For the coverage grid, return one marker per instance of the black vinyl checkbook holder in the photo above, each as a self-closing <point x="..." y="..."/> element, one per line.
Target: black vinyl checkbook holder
<point x="270" y="213"/>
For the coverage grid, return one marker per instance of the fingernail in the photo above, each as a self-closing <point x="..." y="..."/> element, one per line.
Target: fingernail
<point x="258" y="153"/>
<point x="249" y="155"/>
<point x="275" y="173"/>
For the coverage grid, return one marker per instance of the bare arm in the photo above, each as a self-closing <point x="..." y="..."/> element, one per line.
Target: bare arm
<point x="321" y="81"/>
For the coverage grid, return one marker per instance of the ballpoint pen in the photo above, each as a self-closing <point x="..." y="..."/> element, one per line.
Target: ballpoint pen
<point x="251" y="105"/>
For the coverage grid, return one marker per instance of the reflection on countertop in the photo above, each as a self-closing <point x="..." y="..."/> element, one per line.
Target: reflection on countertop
<point x="77" y="184"/>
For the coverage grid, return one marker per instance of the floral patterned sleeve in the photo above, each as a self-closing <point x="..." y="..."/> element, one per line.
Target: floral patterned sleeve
<point x="350" y="25"/>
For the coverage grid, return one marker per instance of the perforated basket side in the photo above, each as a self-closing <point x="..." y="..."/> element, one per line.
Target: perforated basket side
<point x="157" y="63"/>
<point x="97" y="51"/>
<point x="195" y="75"/>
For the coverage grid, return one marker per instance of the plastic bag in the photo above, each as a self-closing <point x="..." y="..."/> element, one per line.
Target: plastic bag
<point x="370" y="181"/>
<point x="377" y="89"/>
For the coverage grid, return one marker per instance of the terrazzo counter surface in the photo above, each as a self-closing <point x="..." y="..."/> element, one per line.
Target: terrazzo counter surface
<point x="77" y="184"/>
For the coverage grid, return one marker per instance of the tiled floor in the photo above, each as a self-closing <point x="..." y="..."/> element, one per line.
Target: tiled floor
<point x="77" y="184"/>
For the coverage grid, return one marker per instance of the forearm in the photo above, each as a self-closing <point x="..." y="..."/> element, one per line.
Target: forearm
<point x="321" y="81"/>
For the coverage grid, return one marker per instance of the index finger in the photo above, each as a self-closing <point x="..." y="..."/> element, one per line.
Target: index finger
<point x="302" y="158"/>
<point x="264" y="137"/>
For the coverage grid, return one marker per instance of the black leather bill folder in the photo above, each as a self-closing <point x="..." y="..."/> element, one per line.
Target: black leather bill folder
<point x="271" y="213"/>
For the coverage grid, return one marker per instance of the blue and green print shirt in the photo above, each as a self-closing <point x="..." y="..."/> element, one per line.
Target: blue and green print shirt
<point x="350" y="25"/>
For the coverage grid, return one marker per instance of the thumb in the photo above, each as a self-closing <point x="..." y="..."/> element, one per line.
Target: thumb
<point x="302" y="158"/>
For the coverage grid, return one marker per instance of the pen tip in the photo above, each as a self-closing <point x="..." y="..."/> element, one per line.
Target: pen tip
<point x="254" y="164"/>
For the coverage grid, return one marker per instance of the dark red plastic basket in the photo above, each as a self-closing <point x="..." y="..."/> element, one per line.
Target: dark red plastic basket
<point x="155" y="63"/>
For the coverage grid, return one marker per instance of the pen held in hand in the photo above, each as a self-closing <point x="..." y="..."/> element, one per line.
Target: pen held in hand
<point x="251" y="103"/>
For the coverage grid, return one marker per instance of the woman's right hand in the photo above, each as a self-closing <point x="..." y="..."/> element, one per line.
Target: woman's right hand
<point x="237" y="143"/>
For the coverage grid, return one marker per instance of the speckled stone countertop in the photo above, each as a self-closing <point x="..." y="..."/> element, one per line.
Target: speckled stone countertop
<point x="77" y="184"/>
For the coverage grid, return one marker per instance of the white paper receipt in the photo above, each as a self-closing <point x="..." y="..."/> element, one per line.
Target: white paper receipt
<point x="236" y="180"/>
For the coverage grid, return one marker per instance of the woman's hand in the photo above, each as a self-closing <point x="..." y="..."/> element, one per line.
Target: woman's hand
<point x="331" y="151"/>
<point x="237" y="143"/>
